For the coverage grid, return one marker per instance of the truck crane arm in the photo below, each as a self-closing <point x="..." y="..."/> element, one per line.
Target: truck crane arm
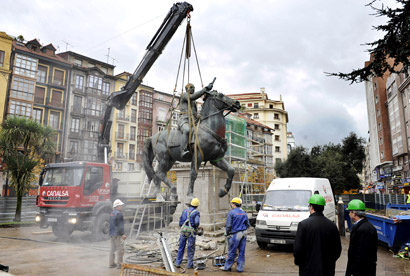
<point x="120" y="98"/>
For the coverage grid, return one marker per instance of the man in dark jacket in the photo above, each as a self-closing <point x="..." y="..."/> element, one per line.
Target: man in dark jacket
<point x="117" y="234"/>
<point x="317" y="244"/>
<point x="362" y="254"/>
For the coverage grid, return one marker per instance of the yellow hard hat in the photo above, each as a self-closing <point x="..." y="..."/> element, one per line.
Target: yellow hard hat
<point x="195" y="202"/>
<point x="236" y="200"/>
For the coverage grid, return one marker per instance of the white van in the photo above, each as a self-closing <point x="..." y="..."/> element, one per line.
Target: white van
<point x="286" y="204"/>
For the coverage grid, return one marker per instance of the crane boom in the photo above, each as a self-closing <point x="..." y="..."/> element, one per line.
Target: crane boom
<point x="119" y="99"/>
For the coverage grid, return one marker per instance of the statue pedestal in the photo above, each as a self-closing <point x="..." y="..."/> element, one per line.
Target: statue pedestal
<point x="213" y="209"/>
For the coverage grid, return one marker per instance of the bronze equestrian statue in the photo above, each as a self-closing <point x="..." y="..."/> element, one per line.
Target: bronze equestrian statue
<point x="207" y="141"/>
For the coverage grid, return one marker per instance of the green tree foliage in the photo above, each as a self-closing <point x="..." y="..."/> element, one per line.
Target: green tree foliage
<point x="394" y="44"/>
<point x="339" y="163"/>
<point x="23" y="144"/>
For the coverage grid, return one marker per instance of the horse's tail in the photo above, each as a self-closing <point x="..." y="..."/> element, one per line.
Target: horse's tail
<point x="148" y="157"/>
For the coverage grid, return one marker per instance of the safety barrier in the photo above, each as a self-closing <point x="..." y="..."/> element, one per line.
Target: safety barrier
<point x="8" y="209"/>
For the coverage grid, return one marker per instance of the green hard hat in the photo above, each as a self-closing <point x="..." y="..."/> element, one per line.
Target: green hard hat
<point x="356" y="205"/>
<point x="317" y="200"/>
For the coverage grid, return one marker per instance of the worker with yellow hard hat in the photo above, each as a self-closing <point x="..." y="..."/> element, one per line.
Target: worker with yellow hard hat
<point x="236" y="225"/>
<point x="189" y="223"/>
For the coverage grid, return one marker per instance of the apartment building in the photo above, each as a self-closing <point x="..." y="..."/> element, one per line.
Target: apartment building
<point x="38" y="87"/>
<point x="164" y="115"/>
<point x="91" y="83"/>
<point x="271" y="113"/>
<point x="398" y="96"/>
<point x="380" y="149"/>
<point x="6" y="42"/>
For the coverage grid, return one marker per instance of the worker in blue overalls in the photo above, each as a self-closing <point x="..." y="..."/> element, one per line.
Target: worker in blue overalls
<point x="236" y="225"/>
<point x="189" y="222"/>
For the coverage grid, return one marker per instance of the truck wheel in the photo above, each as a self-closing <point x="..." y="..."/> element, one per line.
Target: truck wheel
<point x="102" y="227"/>
<point x="262" y="245"/>
<point x="61" y="231"/>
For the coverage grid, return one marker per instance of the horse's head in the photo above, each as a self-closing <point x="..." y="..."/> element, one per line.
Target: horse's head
<point x="222" y="102"/>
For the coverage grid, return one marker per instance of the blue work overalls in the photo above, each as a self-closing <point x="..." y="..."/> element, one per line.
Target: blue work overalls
<point x="194" y="220"/>
<point x="236" y="225"/>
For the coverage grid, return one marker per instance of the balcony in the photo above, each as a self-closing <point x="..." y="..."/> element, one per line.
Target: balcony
<point x="77" y="110"/>
<point x="120" y="155"/>
<point x="75" y="133"/>
<point x="89" y="134"/>
<point x="93" y="112"/>
<point x="122" y="118"/>
<point x="121" y="136"/>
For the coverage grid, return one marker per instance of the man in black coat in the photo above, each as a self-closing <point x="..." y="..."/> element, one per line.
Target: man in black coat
<point x="362" y="254"/>
<point x="317" y="244"/>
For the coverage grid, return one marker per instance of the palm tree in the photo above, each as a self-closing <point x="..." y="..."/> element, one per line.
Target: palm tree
<point x="23" y="143"/>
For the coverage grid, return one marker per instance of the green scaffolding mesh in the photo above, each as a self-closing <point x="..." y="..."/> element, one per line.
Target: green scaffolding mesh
<point x="235" y="135"/>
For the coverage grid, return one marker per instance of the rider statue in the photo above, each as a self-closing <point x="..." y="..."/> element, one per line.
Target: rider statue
<point x="183" y="123"/>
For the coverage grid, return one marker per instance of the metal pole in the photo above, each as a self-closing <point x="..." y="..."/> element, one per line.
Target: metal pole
<point x="341" y="217"/>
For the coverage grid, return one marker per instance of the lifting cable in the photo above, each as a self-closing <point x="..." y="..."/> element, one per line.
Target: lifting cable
<point x="187" y="49"/>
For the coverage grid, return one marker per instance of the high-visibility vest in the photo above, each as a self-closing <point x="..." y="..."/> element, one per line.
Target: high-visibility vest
<point x="408" y="199"/>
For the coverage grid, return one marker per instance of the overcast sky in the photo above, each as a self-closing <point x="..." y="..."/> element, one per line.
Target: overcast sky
<point x="283" y="46"/>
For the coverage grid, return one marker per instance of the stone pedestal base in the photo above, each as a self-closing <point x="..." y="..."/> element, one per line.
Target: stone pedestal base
<point x="212" y="208"/>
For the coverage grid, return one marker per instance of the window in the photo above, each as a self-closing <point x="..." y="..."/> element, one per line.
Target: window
<point x="77" y="104"/>
<point x="94" y="107"/>
<point x="277" y="138"/>
<point x="134" y="99"/>
<point x="271" y="106"/>
<point x="120" y="133"/>
<point x="39" y="95"/>
<point x="378" y="112"/>
<point x="90" y="150"/>
<point x="20" y="108"/>
<point x="56" y="98"/>
<point x="256" y="115"/>
<point x="25" y="66"/>
<point x="58" y="77"/>
<point x="276" y="116"/>
<point x="381" y="141"/>
<point x="256" y="105"/>
<point x="75" y="125"/>
<point x="277" y="149"/>
<point x="132" y="152"/>
<point x="382" y="155"/>
<point x="94" y="82"/>
<point x="249" y="104"/>
<point x="106" y="88"/>
<point x="120" y="150"/>
<point x="131" y="167"/>
<point x="161" y="114"/>
<point x="160" y="97"/>
<point x="377" y="99"/>
<point x="42" y="74"/>
<point x="1" y="58"/>
<point x="22" y="89"/>
<point x="132" y="133"/>
<point x="276" y="126"/>
<point x="133" y="115"/>
<point x="54" y="120"/>
<point x="38" y="115"/>
<point x="73" y="147"/>
<point x="379" y="126"/>
<point x="79" y="81"/>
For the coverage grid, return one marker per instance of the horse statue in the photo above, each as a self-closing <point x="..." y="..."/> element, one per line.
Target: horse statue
<point x="208" y="139"/>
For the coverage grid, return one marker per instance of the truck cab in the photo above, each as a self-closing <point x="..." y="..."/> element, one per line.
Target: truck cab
<point x="73" y="195"/>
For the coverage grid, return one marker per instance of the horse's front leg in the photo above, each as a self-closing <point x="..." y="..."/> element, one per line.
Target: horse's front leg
<point x="194" y="174"/>
<point x="230" y="171"/>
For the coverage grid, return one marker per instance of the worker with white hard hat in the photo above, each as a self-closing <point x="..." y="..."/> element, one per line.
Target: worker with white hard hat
<point x="117" y="234"/>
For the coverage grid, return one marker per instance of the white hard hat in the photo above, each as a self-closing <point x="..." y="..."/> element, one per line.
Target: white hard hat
<point x="117" y="202"/>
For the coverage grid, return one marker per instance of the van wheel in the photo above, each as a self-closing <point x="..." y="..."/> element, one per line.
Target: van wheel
<point x="102" y="227"/>
<point x="262" y="245"/>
